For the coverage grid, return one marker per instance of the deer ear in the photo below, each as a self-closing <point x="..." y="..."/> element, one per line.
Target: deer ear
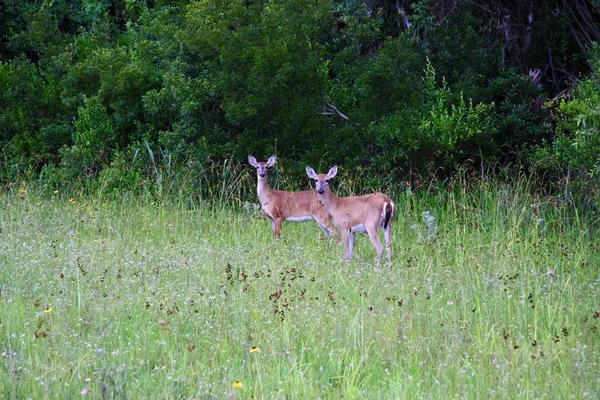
<point x="332" y="172"/>
<point x="310" y="172"/>
<point x="271" y="161"/>
<point x="251" y="160"/>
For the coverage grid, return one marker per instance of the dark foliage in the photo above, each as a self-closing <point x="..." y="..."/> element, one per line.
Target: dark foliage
<point x="395" y="88"/>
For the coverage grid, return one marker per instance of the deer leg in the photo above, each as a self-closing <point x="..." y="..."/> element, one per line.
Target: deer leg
<point x="276" y="226"/>
<point x="334" y="233"/>
<point x="346" y="240"/>
<point x="324" y="228"/>
<point x="372" y="232"/>
<point x="323" y="219"/>
<point x="387" y="235"/>
<point x="351" y="238"/>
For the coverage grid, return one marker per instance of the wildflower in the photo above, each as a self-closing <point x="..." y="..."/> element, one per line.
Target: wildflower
<point x="39" y="203"/>
<point x="48" y="309"/>
<point x="237" y="384"/>
<point x="164" y="300"/>
<point x="541" y="224"/>
<point x="72" y="200"/>
<point x="83" y="391"/>
<point x="255" y="350"/>
<point x="55" y="192"/>
<point x="429" y="224"/>
<point x="450" y="302"/>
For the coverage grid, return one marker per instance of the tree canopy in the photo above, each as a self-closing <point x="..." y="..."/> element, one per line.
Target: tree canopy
<point x="402" y="86"/>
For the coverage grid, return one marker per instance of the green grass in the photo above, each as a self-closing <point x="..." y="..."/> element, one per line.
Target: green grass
<point x="131" y="299"/>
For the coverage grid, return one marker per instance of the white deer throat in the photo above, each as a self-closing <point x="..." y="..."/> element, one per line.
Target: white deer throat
<point x="327" y="199"/>
<point x="263" y="193"/>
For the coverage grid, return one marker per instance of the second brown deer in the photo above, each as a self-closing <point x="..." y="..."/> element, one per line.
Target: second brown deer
<point x="281" y="205"/>
<point x="352" y="214"/>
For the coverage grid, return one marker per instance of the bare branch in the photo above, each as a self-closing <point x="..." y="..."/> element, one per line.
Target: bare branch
<point x="330" y="109"/>
<point x="551" y="65"/>
<point x="562" y="69"/>
<point x="529" y="27"/>
<point x="578" y="22"/>
<point x="403" y="14"/>
<point x="565" y="93"/>
<point x="508" y="45"/>
<point x="587" y="19"/>
<point x="576" y="37"/>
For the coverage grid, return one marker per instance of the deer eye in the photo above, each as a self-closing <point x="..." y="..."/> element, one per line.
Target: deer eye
<point x="316" y="180"/>
<point x="326" y="180"/>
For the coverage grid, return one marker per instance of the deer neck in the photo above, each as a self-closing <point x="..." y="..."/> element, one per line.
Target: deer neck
<point x="329" y="200"/>
<point x="262" y="189"/>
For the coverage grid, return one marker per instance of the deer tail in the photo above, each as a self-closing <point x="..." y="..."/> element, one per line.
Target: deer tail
<point x="388" y="212"/>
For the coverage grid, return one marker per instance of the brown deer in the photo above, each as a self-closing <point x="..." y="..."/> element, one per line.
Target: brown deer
<point x="281" y="205"/>
<point x="353" y="214"/>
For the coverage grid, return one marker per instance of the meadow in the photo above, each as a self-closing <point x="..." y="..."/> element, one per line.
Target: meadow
<point x="493" y="292"/>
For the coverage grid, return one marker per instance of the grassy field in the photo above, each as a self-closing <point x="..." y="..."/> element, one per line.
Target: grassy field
<point x="492" y="294"/>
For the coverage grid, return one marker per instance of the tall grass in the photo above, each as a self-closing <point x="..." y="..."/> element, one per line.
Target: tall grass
<point x="493" y="292"/>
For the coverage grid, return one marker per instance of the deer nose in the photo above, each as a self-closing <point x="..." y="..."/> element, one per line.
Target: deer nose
<point x="262" y="175"/>
<point x="320" y="191"/>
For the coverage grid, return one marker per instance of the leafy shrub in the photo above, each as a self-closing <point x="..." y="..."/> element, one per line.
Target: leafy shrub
<point x="94" y="130"/>
<point x="576" y="146"/>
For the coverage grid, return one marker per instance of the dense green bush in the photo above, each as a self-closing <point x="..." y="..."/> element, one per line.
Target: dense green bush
<point x="391" y="89"/>
<point x="576" y="146"/>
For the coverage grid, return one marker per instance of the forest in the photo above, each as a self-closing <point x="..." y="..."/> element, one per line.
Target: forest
<point x="125" y="93"/>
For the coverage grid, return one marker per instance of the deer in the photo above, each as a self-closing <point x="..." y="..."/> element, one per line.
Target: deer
<point x="363" y="214"/>
<point x="281" y="205"/>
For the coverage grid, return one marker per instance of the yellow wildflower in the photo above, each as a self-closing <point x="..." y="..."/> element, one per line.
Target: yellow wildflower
<point x="55" y="192"/>
<point x="47" y="310"/>
<point x="237" y="384"/>
<point x="255" y="350"/>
